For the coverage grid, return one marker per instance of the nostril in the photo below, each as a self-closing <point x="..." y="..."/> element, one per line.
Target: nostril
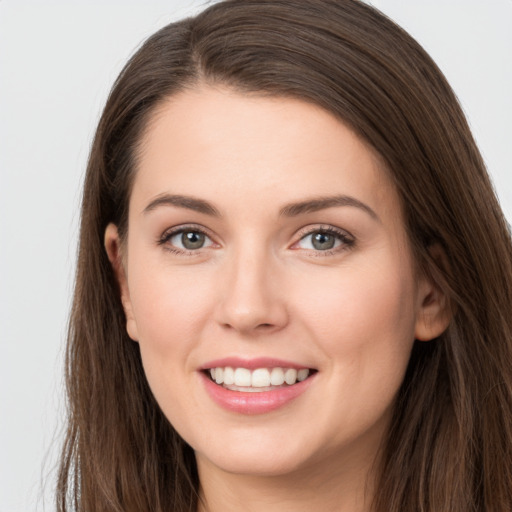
<point x="265" y="327"/>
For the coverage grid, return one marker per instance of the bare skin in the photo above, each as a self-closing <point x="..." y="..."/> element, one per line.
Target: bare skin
<point x="264" y="227"/>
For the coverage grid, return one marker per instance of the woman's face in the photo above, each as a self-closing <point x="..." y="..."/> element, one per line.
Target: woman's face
<point x="265" y="237"/>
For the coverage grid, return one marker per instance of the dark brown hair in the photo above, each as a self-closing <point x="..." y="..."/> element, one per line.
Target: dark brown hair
<point x="449" y="448"/>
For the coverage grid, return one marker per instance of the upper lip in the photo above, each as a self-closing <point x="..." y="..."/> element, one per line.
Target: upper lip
<point x="253" y="363"/>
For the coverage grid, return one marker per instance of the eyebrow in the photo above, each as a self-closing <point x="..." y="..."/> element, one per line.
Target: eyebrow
<point x="188" y="202"/>
<point x="289" y="210"/>
<point x="322" y="203"/>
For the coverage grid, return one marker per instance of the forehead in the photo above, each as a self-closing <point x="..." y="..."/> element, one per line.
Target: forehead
<point x="220" y="144"/>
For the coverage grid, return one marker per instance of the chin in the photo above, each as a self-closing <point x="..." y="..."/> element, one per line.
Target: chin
<point x="253" y="464"/>
<point x="257" y="456"/>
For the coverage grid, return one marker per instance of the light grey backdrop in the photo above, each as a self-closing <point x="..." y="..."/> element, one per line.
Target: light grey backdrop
<point x="57" y="62"/>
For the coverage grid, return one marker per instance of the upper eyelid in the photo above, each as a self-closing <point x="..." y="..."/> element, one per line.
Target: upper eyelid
<point x="169" y="233"/>
<point x="300" y="234"/>
<point x="165" y="238"/>
<point x="348" y="241"/>
<point x="327" y="228"/>
<point x="186" y="227"/>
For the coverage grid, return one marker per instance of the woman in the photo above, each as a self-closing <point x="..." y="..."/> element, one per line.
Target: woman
<point x="294" y="281"/>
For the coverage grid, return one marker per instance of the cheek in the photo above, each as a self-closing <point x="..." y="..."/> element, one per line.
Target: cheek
<point x="169" y="307"/>
<point x="364" y="322"/>
<point x="170" y="311"/>
<point x="362" y="300"/>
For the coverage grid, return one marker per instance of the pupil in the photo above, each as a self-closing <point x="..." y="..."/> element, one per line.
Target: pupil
<point x="323" y="241"/>
<point x="192" y="240"/>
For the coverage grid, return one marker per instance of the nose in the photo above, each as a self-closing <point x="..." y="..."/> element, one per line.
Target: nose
<point x="252" y="299"/>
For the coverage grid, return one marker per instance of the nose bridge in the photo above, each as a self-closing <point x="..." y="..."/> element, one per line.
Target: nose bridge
<point x="251" y="300"/>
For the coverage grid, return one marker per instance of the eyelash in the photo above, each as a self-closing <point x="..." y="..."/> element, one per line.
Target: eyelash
<point x="347" y="241"/>
<point x="169" y="234"/>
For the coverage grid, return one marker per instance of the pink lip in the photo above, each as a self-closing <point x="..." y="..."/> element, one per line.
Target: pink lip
<point x="252" y="364"/>
<point x="254" y="403"/>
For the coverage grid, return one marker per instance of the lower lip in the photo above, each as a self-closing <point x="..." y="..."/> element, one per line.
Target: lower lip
<point x="256" y="402"/>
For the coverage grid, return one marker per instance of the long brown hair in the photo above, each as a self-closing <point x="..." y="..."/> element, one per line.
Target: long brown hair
<point x="449" y="448"/>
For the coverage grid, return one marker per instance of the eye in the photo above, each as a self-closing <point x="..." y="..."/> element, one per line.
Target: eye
<point x="326" y="240"/>
<point x="185" y="239"/>
<point x="189" y="240"/>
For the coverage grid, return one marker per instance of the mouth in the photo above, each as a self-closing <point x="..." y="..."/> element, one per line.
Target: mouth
<point x="257" y="380"/>
<point x="256" y="386"/>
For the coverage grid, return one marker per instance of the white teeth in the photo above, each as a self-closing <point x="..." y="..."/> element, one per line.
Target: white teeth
<point x="229" y="375"/>
<point x="259" y="378"/>
<point x="290" y="376"/>
<point x="242" y="377"/>
<point x="301" y="375"/>
<point x="277" y="377"/>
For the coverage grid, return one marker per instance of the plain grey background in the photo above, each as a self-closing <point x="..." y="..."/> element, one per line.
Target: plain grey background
<point x="58" y="60"/>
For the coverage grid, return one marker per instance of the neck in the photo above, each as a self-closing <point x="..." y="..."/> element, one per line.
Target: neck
<point x="327" y="487"/>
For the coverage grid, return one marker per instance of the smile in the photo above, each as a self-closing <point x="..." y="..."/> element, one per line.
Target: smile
<point x="257" y="380"/>
<point x="257" y="386"/>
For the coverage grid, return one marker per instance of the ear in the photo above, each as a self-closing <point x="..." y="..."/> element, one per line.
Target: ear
<point x="434" y="309"/>
<point x="114" y="252"/>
